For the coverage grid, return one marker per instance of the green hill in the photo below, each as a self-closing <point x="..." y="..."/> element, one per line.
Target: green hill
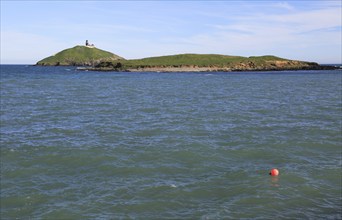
<point x="206" y="62"/>
<point x="79" y="56"/>
<point x="183" y="60"/>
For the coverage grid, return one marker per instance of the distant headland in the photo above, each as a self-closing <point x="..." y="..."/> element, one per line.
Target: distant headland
<point x="88" y="57"/>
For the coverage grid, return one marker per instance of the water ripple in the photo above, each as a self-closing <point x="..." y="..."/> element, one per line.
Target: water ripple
<point x="146" y="145"/>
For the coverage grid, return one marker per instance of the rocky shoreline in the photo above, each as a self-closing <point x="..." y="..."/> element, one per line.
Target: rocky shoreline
<point x="236" y="68"/>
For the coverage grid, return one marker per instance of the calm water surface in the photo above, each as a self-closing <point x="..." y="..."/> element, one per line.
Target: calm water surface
<point x="91" y="145"/>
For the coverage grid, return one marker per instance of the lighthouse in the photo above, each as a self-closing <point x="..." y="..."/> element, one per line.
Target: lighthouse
<point x="89" y="45"/>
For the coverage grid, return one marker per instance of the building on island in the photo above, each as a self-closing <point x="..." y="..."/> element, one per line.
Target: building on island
<point x="89" y="45"/>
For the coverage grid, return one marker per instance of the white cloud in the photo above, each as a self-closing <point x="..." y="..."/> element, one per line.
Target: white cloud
<point x="289" y="34"/>
<point x="284" y="5"/>
<point x="311" y="20"/>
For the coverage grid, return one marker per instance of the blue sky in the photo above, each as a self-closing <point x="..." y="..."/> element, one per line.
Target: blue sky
<point x="307" y="30"/>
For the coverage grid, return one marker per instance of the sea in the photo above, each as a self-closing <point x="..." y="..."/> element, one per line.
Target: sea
<point x="123" y="145"/>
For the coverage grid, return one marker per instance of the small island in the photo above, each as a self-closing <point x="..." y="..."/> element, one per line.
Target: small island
<point x="89" y="57"/>
<point x="207" y="63"/>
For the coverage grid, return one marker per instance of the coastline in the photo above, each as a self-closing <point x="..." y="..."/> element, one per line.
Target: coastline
<point x="206" y="69"/>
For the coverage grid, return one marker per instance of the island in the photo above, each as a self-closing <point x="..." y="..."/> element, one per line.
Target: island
<point x="90" y="58"/>
<point x="80" y="55"/>
<point x="207" y="63"/>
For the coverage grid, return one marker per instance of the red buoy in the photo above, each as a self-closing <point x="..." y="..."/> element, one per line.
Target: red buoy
<point x="274" y="172"/>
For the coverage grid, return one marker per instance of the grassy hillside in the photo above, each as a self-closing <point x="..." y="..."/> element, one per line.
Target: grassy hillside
<point x="205" y="62"/>
<point x="199" y="60"/>
<point x="184" y="60"/>
<point x="79" y="56"/>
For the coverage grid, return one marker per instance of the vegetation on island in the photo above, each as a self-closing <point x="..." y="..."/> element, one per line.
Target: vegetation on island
<point x="100" y="60"/>
<point x="205" y="62"/>
<point x="79" y="56"/>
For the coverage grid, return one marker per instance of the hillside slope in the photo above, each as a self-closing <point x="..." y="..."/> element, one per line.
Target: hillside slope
<point x="79" y="56"/>
<point x="206" y="62"/>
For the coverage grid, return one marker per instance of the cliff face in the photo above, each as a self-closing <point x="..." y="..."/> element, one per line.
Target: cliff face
<point x="79" y="56"/>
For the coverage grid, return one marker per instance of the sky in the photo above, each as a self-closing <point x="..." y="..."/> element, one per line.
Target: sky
<point x="307" y="30"/>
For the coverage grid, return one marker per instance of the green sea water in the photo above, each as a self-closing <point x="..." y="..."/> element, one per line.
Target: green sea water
<point x="92" y="145"/>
